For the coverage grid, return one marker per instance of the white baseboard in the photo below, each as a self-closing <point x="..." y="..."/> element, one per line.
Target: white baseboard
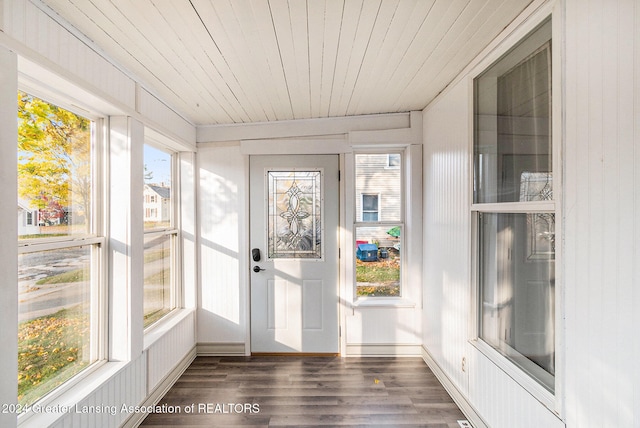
<point x="383" y="350"/>
<point x="163" y="387"/>
<point x="213" y="349"/>
<point x="457" y="396"/>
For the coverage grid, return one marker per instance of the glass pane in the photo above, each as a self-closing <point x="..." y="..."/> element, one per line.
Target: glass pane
<point x="378" y="262"/>
<point x="54" y="170"/>
<point x="54" y="329"/>
<point x="512" y="121"/>
<point x="378" y="184"/>
<point x="157" y="188"/>
<point x="295" y="214"/>
<point x="370" y="202"/>
<point x="158" y="290"/>
<point x="517" y="285"/>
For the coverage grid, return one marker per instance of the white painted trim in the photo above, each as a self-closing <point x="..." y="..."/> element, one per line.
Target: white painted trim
<point x="301" y="127"/>
<point x="157" y="331"/>
<point x="9" y="228"/>
<point x="159" y="391"/>
<point x="458" y="397"/>
<point x="329" y="145"/>
<point x="221" y="349"/>
<point x="383" y="350"/>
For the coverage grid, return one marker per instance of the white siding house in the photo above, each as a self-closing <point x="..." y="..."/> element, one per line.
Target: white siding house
<point x="157" y="206"/>
<point x="27" y="219"/>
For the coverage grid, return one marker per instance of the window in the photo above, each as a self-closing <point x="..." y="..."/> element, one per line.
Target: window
<point x="160" y="235"/>
<point x="514" y="206"/>
<point x="370" y="207"/>
<point x="393" y="160"/>
<point x="60" y="247"/>
<point x="379" y="224"/>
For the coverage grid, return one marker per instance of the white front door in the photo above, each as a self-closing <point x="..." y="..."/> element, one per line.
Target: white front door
<point x="294" y="240"/>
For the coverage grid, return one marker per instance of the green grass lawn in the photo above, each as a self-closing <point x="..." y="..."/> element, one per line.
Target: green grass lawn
<point x="50" y="351"/>
<point x="76" y="275"/>
<point x="379" y="278"/>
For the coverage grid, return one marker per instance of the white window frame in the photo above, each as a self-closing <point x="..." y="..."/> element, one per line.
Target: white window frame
<point x="95" y="238"/>
<point x="358" y="222"/>
<point x="553" y="401"/>
<point x="172" y="231"/>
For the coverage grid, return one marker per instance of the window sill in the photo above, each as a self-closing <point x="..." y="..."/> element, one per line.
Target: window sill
<point x="48" y="411"/>
<point x="382" y="302"/>
<point x="160" y="328"/>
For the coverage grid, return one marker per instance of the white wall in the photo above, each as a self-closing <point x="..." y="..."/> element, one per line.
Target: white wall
<point x="597" y="124"/>
<point x="602" y="213"/>
<point x="222" y="219"/>
<point x="388" y="328"/>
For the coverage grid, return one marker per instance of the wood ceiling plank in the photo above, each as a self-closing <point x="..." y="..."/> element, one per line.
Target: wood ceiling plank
<point x="290" y="22"/>
<point x="247" y="41"/>
<point x="332" y="32"/>
<point x="375" y="57"/>
<point x="361" y="45"/>
<point x="409" y="18"/>
<point x="315" y="41"/>
<point x="437" y="23"/>
<point x="349" y="25"/>
<point x="216" y="99"/>
<point x="129" y="47"/>
<point x="264" y="38"/>
<point x="466" y="40"/>
<point x="166" y="22"/>
<point x="218" y="18"/>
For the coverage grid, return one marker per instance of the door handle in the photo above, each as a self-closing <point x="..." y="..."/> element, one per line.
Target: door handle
<point x="257" y="269"/>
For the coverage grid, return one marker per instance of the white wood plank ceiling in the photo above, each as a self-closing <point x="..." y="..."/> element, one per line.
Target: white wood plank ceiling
<point x="239" y="61"/>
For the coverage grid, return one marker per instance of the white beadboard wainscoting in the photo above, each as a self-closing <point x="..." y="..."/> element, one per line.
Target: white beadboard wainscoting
<point x="141" y="382"/>
<point x="596" y="126"/>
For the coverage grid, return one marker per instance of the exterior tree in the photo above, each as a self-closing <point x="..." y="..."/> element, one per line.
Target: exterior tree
<point x="54" y="156"/>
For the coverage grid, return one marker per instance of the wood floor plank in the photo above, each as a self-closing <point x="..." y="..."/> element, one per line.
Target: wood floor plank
<point x="307" y="391"/>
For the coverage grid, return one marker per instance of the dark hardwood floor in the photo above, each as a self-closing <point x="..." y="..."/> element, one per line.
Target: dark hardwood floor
<point x="306" y="391"/>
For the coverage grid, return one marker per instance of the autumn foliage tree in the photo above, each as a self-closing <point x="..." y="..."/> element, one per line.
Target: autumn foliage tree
<point x="54" y="156"/>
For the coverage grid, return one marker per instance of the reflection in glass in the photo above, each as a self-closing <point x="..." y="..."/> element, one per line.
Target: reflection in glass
<point x="517" y="282"/>
<point x="54" y="319"/>
<point x="294" y="223"/>
<point x="54" y="170"/>
<point x="158" y="296"/>
<point x="378" y="260"/>
<point x="512" y="121"/>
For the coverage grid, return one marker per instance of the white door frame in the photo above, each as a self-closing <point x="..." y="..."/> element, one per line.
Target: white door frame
<point x="343" y="145"/>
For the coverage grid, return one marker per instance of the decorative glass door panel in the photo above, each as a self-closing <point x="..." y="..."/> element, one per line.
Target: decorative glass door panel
<point x="294" y="214"/>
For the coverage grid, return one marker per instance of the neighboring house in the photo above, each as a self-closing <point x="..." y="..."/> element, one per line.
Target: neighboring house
<point x="378" y="197"/>
<point x="27" y="219"/>
<point x="156" y="203"/>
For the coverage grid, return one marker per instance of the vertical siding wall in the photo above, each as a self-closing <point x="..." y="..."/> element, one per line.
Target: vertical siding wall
<point x="602" y="213"/>
<point x="447" y="231"/>
<point x="600" y="267"/>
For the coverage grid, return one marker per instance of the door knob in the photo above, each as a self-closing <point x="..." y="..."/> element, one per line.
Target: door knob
<point x="257" y="269"/>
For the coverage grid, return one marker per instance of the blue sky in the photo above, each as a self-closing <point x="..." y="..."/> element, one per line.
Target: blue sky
<point x="158" y="163"/>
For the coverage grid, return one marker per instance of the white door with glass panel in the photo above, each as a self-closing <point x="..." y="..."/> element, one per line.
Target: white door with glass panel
<point x="294" y="253"/>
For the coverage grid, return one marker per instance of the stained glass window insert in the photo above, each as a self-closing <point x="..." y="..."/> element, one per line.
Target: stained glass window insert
<point x="294" y="211"/>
